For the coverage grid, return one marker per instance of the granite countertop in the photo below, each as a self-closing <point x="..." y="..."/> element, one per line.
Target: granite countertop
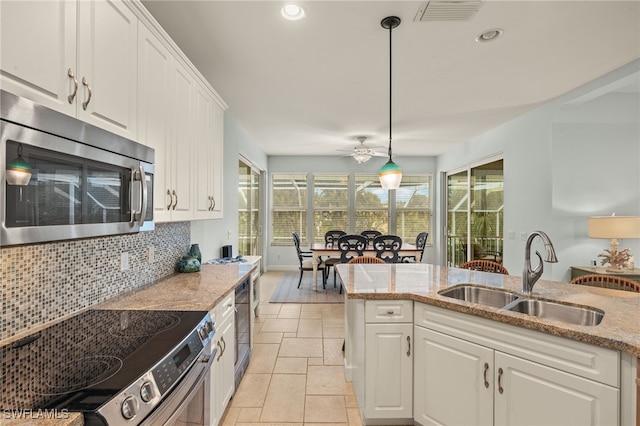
<point x="196" y="291"/>
<point x="619" y="329"/>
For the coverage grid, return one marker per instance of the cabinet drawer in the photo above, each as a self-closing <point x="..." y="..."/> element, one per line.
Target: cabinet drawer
<point x="588" y="361"/>
<point x="223" y="310"/>
<point x="385" y="311"/>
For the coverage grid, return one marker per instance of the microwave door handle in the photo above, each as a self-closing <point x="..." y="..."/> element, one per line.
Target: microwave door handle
<point x="143" y="184"/>
<point x="134" y="213"/>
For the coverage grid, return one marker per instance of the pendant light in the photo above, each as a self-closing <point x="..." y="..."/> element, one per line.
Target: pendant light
<point x="390" y="174"/>
<point x="18" y="170"/>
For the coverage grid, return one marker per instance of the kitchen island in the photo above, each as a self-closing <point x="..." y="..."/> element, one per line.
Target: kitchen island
<point x="408" y="347"/>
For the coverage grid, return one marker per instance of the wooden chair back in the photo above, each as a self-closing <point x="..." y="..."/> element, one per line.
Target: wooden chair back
<point x="607" y="281"/>
<point x="366" y="259"/>
<point x="485" y="266"/>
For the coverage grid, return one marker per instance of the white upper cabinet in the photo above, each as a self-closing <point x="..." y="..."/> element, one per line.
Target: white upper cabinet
<point x="107" y="66"/>
<point x="209" y="156"/>
<point x="78" y="58"/>
<point x="38" y="51"/>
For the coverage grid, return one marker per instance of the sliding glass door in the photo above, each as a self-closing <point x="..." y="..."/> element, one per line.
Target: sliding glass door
<point x="475" y="213"/>
<point x="249" y="210"/>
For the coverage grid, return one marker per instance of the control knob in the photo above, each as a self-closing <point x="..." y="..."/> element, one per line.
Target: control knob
<point x="146" y="392"/>
<point x="129" y="407"/>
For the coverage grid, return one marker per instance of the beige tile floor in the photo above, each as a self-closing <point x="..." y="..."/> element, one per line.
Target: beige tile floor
<point x="295" y="376"/>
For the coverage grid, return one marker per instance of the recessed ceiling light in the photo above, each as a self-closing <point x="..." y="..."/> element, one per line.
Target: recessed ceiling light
<point x="292" y="12"/>
<point x="489" y="35"/>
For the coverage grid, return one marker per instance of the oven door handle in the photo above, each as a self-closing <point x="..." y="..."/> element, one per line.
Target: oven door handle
<point x="178" y="400"/>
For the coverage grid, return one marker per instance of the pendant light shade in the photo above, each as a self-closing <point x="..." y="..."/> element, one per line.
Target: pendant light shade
<point x="18" y="171"/>
<point x="390" y="174"/>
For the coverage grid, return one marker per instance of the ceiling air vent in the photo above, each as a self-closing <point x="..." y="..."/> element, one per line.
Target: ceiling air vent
<point x="447" y="10"/>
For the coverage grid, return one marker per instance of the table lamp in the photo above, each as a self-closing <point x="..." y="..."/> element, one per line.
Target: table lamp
<point x="614" y="227"/>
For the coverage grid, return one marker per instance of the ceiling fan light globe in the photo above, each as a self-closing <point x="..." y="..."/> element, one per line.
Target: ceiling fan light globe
<point x="361" y="157"/>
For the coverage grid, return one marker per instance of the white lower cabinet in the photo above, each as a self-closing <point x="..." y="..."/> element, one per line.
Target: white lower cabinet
<point x="530" y="393"/>
<point x="453" y="380"/>
<point x="388" y="371"/>
<point x="379" y="353"/>
<point x="222" y="383"/>
<point x="464" y="374"/>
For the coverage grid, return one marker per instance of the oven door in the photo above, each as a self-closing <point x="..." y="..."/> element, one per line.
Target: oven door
<point x="178" y="402"/>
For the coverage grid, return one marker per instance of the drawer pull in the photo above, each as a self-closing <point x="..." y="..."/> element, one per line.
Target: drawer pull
<point x="389" y="312"/>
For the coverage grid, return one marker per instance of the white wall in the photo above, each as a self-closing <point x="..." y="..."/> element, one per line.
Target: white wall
<point x="576" y="156"/>
<point x="211" y="235"/>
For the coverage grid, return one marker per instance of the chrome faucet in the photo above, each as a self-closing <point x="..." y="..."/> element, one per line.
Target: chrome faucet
<point x="529" y="276"/>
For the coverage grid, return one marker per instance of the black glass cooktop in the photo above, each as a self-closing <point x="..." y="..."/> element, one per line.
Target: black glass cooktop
<point x="80" y="363"/>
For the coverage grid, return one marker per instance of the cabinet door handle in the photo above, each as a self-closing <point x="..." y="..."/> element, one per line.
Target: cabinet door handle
<point x="213" y="206"/>
<point x="408" y="345"/>
<point x="75" y="86"/>
<point x="221" y="350"/>
<point x="224" y="343"/>
<point x="170" y="199"/>
<point x="500" y="380"/>
<point x="486" y="368"/>
<point x="176" y="203"/>
<point x="86" y="84"/>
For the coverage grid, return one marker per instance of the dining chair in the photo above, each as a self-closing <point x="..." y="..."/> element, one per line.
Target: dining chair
<point x="607" y="281"/>
<point x="485" y="266"/>
<point x="387" y="247"/>
<point x="370" y="234"/>
<point x="350" y="246"/>
<point x="331" y="240"/>
<point x="306" y="265"/>
<point x="421" y="242"/>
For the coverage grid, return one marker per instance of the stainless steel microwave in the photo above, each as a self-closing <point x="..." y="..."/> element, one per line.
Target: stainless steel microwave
<point x="85" y="181"/>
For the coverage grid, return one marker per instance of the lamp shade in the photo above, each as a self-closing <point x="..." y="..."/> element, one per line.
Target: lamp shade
<point x="614" y="227"/>
<point x="390" y="175"/>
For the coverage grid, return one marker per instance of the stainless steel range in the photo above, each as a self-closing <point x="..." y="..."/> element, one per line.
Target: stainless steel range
<point x="116" y="367"/>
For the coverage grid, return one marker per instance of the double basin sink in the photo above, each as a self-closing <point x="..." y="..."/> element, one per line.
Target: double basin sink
<point x="503" y="299"/>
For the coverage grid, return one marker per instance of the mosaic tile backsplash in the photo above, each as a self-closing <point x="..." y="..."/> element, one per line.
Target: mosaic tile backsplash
<point x="43" y="282"/>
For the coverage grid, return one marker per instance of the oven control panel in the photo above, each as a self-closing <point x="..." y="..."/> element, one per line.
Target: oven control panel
<point x="136" y="402"/>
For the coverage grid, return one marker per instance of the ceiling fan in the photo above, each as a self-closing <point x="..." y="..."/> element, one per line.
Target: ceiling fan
<point x="363" y="152"/>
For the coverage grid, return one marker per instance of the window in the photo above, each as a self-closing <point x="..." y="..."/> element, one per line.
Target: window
<point x="413" y="207"/>
<point x="350" y="202"/>
<point x="248" y="210"/>
<point x="372" y="205"/>
<point x="330" y="204"/>
<point x="475" y="213"/>
<point x="289" y="208"/>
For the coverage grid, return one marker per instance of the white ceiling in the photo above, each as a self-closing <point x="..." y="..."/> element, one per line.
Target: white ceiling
<point x="310" y="87"/>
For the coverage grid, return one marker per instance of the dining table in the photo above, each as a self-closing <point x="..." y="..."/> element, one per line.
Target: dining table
<point x="321" y="249"/>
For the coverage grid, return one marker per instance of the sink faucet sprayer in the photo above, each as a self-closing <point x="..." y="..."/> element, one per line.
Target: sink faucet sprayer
<point x="529" y="276"/>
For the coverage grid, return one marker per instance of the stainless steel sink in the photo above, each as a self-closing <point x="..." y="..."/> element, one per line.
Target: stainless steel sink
<point x="558" y="311"/>
<point x="481" y="295"/>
